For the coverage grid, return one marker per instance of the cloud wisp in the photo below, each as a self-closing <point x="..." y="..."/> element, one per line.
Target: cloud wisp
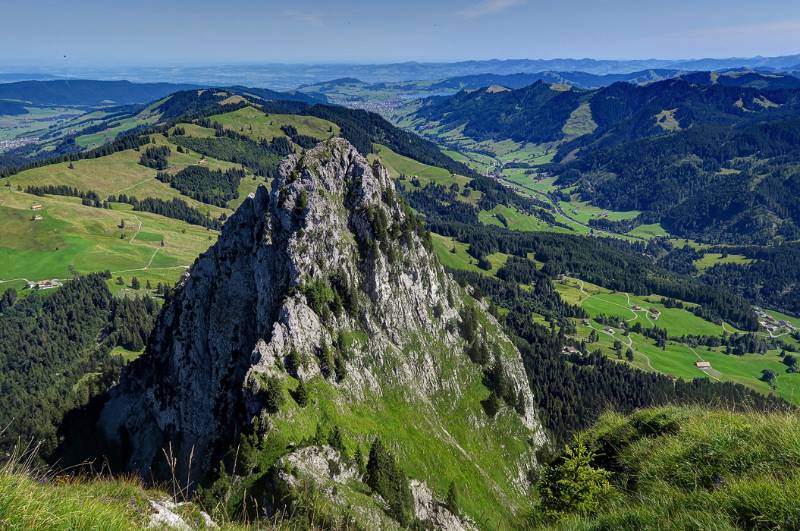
<point x="488" y="7"/>
<point x="312" y="19"/>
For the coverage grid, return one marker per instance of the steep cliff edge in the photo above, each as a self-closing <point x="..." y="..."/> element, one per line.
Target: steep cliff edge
<point x="327" y="282"/>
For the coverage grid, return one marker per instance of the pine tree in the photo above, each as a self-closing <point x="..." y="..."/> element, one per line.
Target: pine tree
<point x="300" y="394"/>
<point x="337" y="443"/>
<point x="386" y="478"/>
<point x="135" y="283"/>
<point x="359" y="459"/>
<point x="273" y="395"/>
<point x="452" y="499"/>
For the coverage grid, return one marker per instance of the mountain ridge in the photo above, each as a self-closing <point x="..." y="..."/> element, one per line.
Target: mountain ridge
<point x="306" y="285"/>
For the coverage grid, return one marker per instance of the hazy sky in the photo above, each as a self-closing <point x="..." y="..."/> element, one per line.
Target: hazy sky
<point x="159" y="32"/>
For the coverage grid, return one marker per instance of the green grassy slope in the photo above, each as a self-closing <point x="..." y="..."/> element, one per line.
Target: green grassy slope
<point x="675" y="358"/>
<point x="257" y="125"/>
<point x="689" y="468"/>
<point x="72" y="238"/>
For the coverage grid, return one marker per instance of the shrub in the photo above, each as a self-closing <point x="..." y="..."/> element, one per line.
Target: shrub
<point x="273" y="394"/>
<point x="572" y="485"/>
<point x="300" y="395"/>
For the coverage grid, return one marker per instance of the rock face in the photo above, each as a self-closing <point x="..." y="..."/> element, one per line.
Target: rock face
<point x="328" y="251"/>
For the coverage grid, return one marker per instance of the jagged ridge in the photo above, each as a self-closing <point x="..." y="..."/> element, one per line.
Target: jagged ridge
<point x="328" y="255"/>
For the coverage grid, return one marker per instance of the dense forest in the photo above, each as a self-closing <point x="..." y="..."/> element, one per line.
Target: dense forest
<point x="54" y="353"/>
<point x="261" y="158"/>
<point x="772" y="280"/>
<point x="713" y="183"/>
<point x="213" y="187"/>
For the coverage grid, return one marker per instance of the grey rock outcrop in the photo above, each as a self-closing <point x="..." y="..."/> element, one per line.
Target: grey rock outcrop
<point x="328" y="250"/>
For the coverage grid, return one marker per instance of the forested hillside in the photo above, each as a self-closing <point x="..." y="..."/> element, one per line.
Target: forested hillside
<point x="55" y="353"/>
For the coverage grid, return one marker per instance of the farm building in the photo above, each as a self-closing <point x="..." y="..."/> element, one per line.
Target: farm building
<point x="44" y="284"/>
<point x="36" y="206"/>
<point x="702" y="364"/>
<point x="37" y="217"/>
<point x="655" y="313"/>
<point x="570" y="350"/>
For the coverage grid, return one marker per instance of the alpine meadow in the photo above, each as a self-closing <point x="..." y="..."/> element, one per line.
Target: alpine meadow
<point x="471" y="265"/>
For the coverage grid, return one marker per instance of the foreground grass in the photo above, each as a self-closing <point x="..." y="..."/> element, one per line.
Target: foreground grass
<point x="692" y="468"/>
<point x="28" y="503"/>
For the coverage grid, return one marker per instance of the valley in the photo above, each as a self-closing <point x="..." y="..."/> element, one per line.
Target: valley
<point x="364" y="322"/>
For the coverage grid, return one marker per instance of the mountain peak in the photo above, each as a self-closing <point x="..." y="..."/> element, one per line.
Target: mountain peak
<point x="326" y="280"/>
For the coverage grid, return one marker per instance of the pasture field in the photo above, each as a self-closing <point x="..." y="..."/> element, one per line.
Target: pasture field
<point x="516" y="220"/>
<point x="35" y="122"/>
<point x="534" y="183"/>
<point x="584" y="212"/>
<point x="444" y="248"/>
<point x="253" y="123"/>
<point x="72" y="238"/>
<point x="121" y="173"/>
<point x="714" y="259"/>
<point x="675" y="358"/>
<point x="597" y="301"/>
<point x="649" y="231"/>
<point x="477" y="161"/>
<point x="398" y="165"/>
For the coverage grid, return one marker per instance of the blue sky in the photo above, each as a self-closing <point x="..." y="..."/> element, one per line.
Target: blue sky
<point x="151" y="32"/>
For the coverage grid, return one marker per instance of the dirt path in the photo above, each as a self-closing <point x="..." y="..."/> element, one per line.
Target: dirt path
<point x="134" y="186"/>
<point x="14" y="280"/>
<point x="138" y="230"/>
<point x="151" y="269"/>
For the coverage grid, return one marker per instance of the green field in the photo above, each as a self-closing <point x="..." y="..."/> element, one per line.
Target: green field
<point x="675" y="359"/>
<point x="517" y="220"/>
<point x="714" y="259"/>
<point x="584" y="212"/>
<point x="653" y="230"/>
<point x="35" y="122"/>
<point x="72" y="238"/>
<point x="253" y="123"/>
<point x="453" y="254"/>
<point x="398" y="165"/>
<point x="121" y="173"/>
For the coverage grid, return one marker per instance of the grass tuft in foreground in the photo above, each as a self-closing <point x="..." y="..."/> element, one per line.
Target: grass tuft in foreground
<point x="691" y="468"/>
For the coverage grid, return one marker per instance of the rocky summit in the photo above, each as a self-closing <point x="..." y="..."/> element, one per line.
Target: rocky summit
<point x="322" y="308"/>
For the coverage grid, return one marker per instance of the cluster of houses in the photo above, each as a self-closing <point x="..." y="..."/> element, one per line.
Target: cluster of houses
<point x="772" y="324"/>
<point x="653" y="312"/>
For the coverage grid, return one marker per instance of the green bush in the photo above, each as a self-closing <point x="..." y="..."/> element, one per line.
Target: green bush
<point x="273" y="394"/>
<point x="572" y="485"/>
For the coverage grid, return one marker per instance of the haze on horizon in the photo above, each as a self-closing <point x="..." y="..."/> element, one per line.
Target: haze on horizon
<point x="51" y="33"/>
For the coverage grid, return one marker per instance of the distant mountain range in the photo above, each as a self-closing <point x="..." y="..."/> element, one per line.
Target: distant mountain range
<point x="546" y="112"/>
<point x="289" y="76"/>
<point x="93" y="93"/>
<point x="84" y="92"/>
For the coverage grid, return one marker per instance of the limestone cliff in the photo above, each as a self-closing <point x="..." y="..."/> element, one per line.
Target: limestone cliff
<point x="326" y="279"/>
